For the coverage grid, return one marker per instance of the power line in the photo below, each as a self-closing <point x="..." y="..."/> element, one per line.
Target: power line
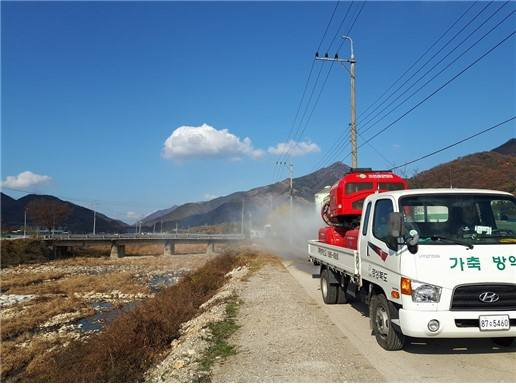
<point x="340" y="26"/>
<point x="366" y="127"/>
<point x="455" y="143"/>
<point x="428" y="61"/>
<point x="300" y="133"/>
<point x="418" y="59"/>
<point x="439" y="88"/>
<point x="363" y="130"/>
<point x="307" y="83"/>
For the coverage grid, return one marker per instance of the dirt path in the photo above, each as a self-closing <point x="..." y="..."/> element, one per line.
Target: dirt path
<point x="286" y="337"/>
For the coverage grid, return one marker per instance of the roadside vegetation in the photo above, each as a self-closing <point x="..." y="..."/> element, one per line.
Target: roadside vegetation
<point x="18" y="251"/>
<point x="47" y="305"/>
<point x="221" y="331"/>
<point x="137" y="339"/>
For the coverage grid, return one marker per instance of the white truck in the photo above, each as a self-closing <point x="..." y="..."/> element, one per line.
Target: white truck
<point x="431" y="263"/>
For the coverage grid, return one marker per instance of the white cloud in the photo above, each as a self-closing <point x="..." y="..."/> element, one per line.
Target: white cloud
<point x="25" y="179"/>
<point x="208" y="196"/>
<point x="131" y="215"/>
<point x="294" y="148"/>
<point x="205" y="141"/>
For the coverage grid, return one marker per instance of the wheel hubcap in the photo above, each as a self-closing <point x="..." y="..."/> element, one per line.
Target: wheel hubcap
<point x="324" y="287"/>
<point x="382" y="321"/>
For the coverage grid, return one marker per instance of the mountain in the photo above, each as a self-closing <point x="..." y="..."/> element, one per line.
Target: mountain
<point x="258" y="201"/>
<point x="156" y="215"/>
<point x="509" y="148"/>
<point x="490" y="170"/>
<point x="80" y="219"/>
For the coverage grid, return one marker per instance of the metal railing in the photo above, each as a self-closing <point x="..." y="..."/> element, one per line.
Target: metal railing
<point x="145" y="236"/>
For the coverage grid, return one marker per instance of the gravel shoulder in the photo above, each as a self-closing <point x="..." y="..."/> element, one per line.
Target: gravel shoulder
<point x="285" y="336"/>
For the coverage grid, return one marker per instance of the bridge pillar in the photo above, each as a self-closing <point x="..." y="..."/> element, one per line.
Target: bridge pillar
<point x="211" y="248"/>
<point x="170" y="248"/>
<point x="117" y="251"/>
<point x="60" y="251"/>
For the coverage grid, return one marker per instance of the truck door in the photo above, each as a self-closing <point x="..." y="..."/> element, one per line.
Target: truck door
<point x="381" y="256"/>
<point x="365" y="230"/>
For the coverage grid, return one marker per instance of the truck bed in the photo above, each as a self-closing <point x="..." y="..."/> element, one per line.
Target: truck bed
<point x="338" y="258"/>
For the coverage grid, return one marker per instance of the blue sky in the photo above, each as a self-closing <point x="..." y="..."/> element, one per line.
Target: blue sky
<point x="91" y="92"/>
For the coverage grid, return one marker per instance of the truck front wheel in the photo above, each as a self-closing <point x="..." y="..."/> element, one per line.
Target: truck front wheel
<point x="388" y="335"/>
<point x="503" y="341"/>
<point x="328" y="290"/>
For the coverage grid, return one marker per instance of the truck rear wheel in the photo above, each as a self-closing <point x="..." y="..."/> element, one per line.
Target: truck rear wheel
<point x="388" y="335"/>
<point x="328" y="290"/>
<point x="342" y="297"/>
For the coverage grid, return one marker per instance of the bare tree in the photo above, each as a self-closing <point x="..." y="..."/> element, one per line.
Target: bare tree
<point x="48" y="213"/>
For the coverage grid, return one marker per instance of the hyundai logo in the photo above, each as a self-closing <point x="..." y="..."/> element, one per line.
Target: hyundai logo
<point x="488" y="297"/>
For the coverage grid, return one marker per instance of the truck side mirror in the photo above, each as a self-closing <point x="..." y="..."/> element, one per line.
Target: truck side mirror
<point x="395" y="224"/>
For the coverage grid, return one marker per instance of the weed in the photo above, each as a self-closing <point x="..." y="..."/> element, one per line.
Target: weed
<point x="219" y="347"/>
<point x="131" y="343"/>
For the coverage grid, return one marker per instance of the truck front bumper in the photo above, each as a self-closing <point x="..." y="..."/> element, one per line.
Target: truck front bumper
<point x="452" y="324"/>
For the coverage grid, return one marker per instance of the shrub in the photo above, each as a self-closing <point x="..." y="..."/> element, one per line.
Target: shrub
<point x="135" y="340"/>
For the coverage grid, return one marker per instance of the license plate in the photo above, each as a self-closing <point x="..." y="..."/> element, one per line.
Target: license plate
<point x="494" y="323"/>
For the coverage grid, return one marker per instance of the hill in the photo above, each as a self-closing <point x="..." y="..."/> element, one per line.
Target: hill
<point x="509" y="148"/>
<point x="490" y="170"/>
<point x="258" y="202"/>
<point x="80" y="219"/>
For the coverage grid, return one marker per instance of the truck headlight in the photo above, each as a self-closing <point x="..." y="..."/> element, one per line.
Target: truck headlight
<point x="422" y="292"/>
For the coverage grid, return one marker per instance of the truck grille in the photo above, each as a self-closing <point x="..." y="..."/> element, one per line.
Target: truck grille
<point x="467" y="297"/>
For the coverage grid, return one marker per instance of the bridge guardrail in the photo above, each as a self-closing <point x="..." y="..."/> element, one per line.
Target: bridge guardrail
<point x="149" y="236"/>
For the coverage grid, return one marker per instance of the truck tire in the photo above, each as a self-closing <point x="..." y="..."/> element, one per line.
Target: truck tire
<point x="342" y="297"/>
<point x="503" y="341"/>
<point x="388" y="335"/>
<point x="328" y="290"/>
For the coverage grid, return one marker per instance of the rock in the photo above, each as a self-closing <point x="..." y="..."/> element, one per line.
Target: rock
<point x="179" y="364"/>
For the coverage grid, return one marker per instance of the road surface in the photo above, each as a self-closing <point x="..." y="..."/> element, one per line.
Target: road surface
<point x="442" y="360"/>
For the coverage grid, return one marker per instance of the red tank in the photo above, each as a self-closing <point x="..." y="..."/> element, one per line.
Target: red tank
<point x="343" y="210"/>
<point x="351" y="238"/>
<point x="333" y="236"/>
<point x="348" y="194"/>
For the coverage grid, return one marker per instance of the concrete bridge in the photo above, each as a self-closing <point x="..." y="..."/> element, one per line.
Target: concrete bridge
<point x="61" y="243"/>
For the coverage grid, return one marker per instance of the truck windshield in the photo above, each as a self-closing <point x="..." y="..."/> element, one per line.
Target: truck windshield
<point x="472" y="218"/>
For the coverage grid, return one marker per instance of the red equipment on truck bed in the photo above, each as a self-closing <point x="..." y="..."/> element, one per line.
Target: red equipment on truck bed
<point x="343" y="210"/>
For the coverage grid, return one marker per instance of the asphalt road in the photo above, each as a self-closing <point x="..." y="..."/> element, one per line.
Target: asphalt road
<point x="440" y="360"/>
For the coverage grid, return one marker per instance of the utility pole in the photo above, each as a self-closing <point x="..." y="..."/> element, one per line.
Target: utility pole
<point x="25" y="224"/>
<point x="154" y="228"/>
<point x="290" y="167"/>
<point x="242" y="220"/>
<point x="352" y="73"/>
<point x="161" y="225"/>
<point x="94" y="217"/>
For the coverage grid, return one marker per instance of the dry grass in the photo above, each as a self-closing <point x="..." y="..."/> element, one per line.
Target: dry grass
<point x="38" y="312"/>
<point x="16" y="357"/>
<point x="83" y="283"/>
<point x="125" y="349"/>
<point x="14" y="252"/>
<point x="135" y="340"/>
<point x="17" y="280"/>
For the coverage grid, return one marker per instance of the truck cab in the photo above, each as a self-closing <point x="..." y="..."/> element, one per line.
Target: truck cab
<point x="432" y="263"/>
